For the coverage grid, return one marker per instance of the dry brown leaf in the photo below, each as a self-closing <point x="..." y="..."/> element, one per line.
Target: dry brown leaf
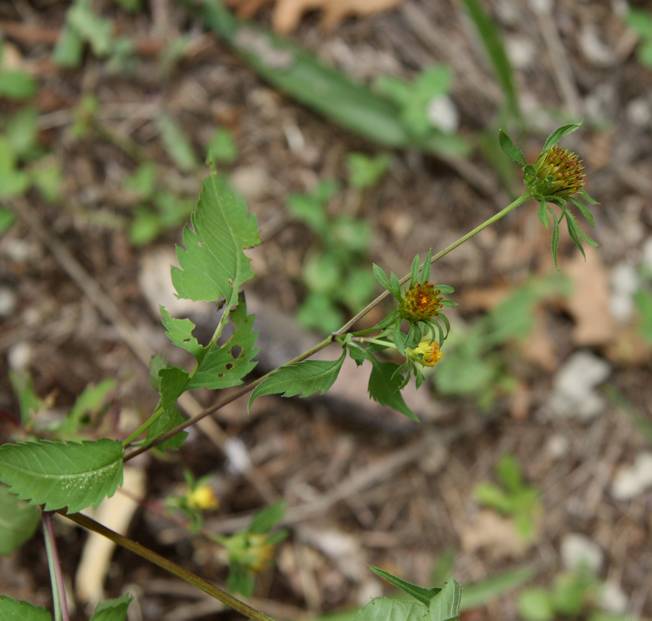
<point x="495" y="535"/>
<point x="538" y="347"/>
<point x="288" y="13"/>
<point x="589" y="300"/>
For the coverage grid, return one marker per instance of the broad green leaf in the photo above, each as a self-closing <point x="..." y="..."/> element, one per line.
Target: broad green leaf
<point x="62" y="474"/>
<point x="351" y="234"/>
<point x="90" y="401"/>
<point x="322" y="272"/>
<point x="536" y="605"/>
<point x="303" y="379"/>
<point x="423" y="595"/>
<point x="509" y="473"/>
<point x="22" y="132"/>
<point x="18" y="521"/>
<point x="176" y="143"/>
<point x="172" y="210"/>
<point x="385" y="387"/>
<point x="69" y="48"/>
<point x="13" y="610"/>
<point x="213" y="265"/>
<point x="559" y="133"/>
<point x="179" y="331"/>
<point x="112" y="609"/>
<point x="96" y="30"/>
<point x="365" y="171"/>
<point x="28" y="401"/>
<point x="445" y="605"/>
<point x="492" y="41"/>
<point x="7" y="219"/>
<point x="15" y="84"/>
<point x="479" y="593"/>
<point x="224" y="366"/>
<point x="386" y="609"/>
<point x="172" y="383"/>
<point x="510" y="149"/>
<point x="145" y="227"/>
<point x="266" y="519"/>
<point x="221" y="148"/>
<point x="358" y="288"/>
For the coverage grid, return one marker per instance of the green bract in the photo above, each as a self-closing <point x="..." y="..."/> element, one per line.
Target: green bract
<point x="556" y="178"/>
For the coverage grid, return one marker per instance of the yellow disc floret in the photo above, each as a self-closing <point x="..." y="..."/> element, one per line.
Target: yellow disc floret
<point x="427" y="352"/>
<point x="202" y="497"/>
<point x="421" y="302"/>
<point x="558" y="173"/>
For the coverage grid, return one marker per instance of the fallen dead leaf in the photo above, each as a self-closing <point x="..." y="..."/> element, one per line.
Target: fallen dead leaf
<point x="288" y="13"/>
<point x="495" y="535"/>
<point x="589" y="300"/>
<point x="538" y="347"/>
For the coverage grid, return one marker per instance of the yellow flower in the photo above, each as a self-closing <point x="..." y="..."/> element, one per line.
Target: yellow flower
<point x="427" y="352"/>
<point x="259" y="552"/>
<point x="558" y="173"/>
<point x="420" y="302"/>
<point x="202" y="497"/>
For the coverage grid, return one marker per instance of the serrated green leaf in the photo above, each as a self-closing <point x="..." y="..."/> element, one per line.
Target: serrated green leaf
<point x="179" y="331"/>
<point x="303" y="379"/>
<point x="14" y="610"/>
<point x="176" y="144"/>
<point x="386" y="609"/>
<point x="385" y="388"/>
<point x="112" y="609"/>
<point x="62" y="474"/>
<point x="267" y="518"/>
<point x="510" y="149"/>
<point x="492" y="41"/>
<point x="224" y="366"/>
<point x="445" y="605"/>
<point x="421" y="594"/>
<point x="213" y="264"/>
<point x="559" y="133"/>
<point x="172" y="383"/>
<point x="18" y="521"/>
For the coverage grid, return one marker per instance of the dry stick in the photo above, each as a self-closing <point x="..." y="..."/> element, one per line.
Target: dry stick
<point x="138" y="345"/>
<point x="329" y="339"/>
<point x="176" y="570"/>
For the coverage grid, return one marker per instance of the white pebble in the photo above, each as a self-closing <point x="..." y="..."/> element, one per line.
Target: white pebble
<point x="579" y="551"/>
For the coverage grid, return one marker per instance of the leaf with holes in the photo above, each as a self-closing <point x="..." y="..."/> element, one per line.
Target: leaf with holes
<point x="18" y="521"/>
<point x="302" y="379"/>
<point x="213" y="264"/>
<point x="225" y="366"/>
<point x="14" y="610"/>
<point x="62" y="474"/>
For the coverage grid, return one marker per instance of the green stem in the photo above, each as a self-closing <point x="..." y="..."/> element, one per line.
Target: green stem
<point x="376" y="341"/>
<point x="243" y="390"/>
<point x="59" y="602"/>
<point x="142" y="428"/>
<point x="176" y="570"/>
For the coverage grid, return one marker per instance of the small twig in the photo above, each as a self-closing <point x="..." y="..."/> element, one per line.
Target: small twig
<point x="59" y="600"/>
<point x="176" y="570"/>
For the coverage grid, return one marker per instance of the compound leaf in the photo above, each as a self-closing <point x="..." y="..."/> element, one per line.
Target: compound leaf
<point x="304" y="379"/>
<point x="62" y="474"/>
<point x="213" y="265"/>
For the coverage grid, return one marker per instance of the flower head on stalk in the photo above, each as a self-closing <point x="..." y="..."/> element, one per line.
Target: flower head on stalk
<point x="556" y="178"/>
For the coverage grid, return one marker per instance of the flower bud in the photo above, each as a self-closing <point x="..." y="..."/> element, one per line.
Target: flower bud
<point x="427" y="352"/>
<point x="557" y="174"/>
<point x="202" y="497"/>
